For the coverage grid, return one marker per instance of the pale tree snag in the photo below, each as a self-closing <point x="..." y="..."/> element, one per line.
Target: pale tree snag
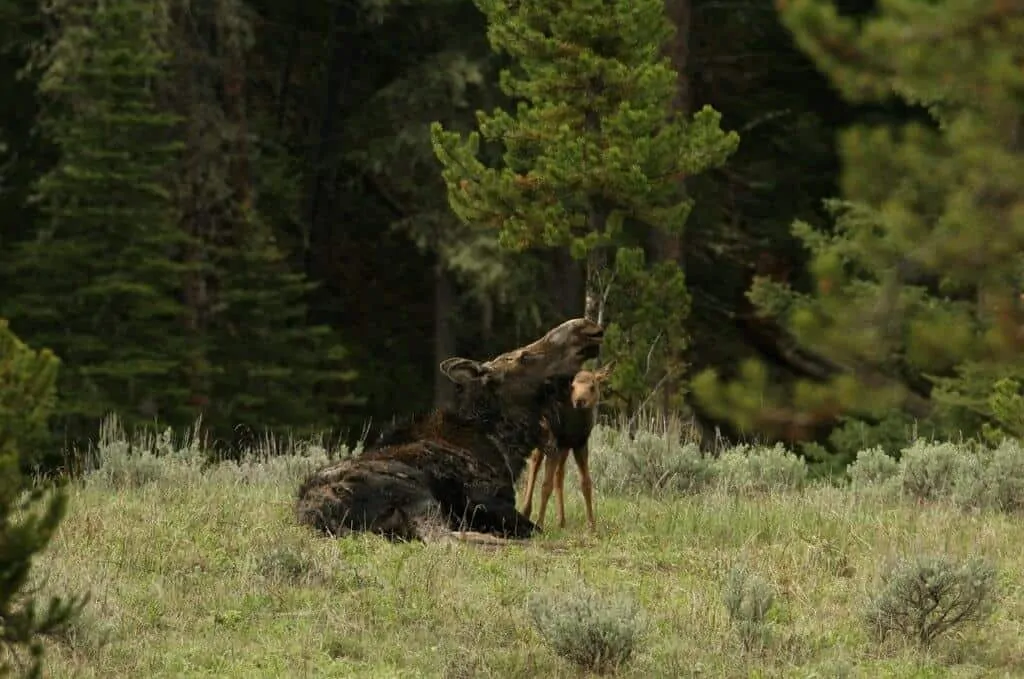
<point x="444" y="332"/>
<point x="597" y="266"/>
<point x="600" y="279"/>
<point x="600" y="276"/>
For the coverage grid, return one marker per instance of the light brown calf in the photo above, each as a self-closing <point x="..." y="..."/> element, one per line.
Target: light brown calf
<point x="568" y="429"/>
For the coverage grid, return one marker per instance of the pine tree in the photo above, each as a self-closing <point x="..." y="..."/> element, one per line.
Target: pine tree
<point x="917" y="303"/>
<point x="21" y="152"/>
<point x="261" y="366"/>
<point x="272" y="370"/>
<point x="593" y="155"/>
<point x="28" y="518"/>
<point x="99" y="282"/>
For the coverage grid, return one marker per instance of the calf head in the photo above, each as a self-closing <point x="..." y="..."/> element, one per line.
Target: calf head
<point x="586" y="387"/>
<point x="519" y="381"/>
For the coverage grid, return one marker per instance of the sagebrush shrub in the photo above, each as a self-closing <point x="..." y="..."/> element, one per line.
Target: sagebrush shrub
<point x="748" y="598"/>
<point x="120" y="460"/>
<point x="873" y="467"/>
<point x="123" y="468"/>
<point x="287" y="469"/>
<point x="593" y="633"/>
<point x="924" y="597"/>
<point x="649" y="463"/>
<point x="971" y="476"/>
<point x="892" y="431"/>
<point x="992" y="479"/>
<point x="123" y="461"/>
<point x="970" y="484"/>
<point x="929" y="471"/>
<point x="760" y="469"/>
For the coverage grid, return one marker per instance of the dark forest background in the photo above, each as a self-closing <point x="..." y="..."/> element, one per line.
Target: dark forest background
<point x="233" y="209"/>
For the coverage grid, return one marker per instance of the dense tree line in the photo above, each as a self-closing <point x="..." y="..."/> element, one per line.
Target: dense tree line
<point x="238" y="209"/>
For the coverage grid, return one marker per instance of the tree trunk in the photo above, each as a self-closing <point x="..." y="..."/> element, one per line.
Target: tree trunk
<point x="444" y="333"/>
<point x="679" y="51"/>
<point x="195" y="222"/>
<point x="486" y="320"/>
<point x="664" y="246"/>
<point x="343" y="54"/>
<point x="235" y="111"/>
<point x="284" y="86"/>
<point x="570" y="284"/>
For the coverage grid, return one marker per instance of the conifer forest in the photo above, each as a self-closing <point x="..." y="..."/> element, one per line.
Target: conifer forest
<point x="798" y="222"/>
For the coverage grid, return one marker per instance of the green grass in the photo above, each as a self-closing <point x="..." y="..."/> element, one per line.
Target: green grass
<point x="202" y="572"/>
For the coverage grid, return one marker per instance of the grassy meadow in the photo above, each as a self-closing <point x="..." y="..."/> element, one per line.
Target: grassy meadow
<point x="199" y="571"/>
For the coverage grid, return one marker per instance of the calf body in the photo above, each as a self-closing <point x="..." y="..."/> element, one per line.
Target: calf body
<point x="456" y="468"/>
<point x="567" y="428"/>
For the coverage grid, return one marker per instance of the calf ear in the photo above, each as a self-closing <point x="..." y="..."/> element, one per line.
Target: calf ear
<point x="604" y="372"/>
<point x="464" y="370"/>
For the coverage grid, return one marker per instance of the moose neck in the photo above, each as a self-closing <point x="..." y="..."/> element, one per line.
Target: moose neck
<point x="513" y="427"/>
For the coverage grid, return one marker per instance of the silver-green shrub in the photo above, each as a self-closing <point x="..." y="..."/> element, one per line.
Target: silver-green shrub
<point x="925" y="596"/>
<point x="992" y="479"/>
<point x="872" y="467"/>
<point x="929" y="471"/>
<point x="594" y="633"/>
<point x="749" y="598"/>
<point x="650" y="463"/>
<point x="759" y="469"/>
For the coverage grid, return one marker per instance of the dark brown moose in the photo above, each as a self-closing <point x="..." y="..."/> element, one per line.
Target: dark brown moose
<point x="456" y="468"/>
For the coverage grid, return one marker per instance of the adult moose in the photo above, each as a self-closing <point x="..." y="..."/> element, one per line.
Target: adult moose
<point x="456" y="468"/>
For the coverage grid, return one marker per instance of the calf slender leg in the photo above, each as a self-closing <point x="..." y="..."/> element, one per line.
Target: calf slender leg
<point x="582" y="456"/>
<point x="552" y="457"/>
<point x="531" y="480"/>
<point x="560" y="488"/>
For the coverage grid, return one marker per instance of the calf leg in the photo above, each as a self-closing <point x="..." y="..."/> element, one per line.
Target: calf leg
<point x="560" y="488"/>
<point x="582" y="456"/>
<point x="531" y="480"/>
<point x="552" y="458"/>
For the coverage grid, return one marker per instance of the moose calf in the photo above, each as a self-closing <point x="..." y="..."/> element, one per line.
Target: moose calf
<point x="567" y="428"/>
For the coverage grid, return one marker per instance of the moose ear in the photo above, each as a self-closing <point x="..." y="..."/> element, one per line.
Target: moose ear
<point x="464" y="370"/>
